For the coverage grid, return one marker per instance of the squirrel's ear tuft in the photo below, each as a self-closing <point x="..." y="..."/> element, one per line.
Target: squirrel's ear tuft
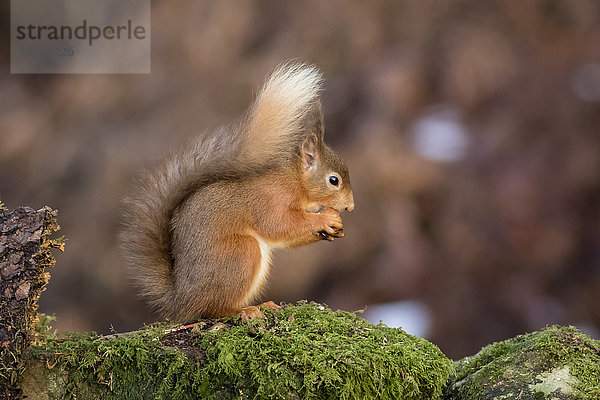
<point x="313" y="122"/>
<point x="310" y="152"/>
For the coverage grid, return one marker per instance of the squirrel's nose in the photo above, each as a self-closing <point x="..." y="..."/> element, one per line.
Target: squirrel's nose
<point x="351" y="205"/>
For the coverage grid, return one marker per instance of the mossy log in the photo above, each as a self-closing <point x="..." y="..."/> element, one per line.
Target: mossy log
<point x="302" y="351"/>
<point x="554" y="363"/>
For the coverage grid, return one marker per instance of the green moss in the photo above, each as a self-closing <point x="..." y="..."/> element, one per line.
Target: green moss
<point x="556" y="362"/>
<point x="305" y="351"/>
<point x="43" y="328"/>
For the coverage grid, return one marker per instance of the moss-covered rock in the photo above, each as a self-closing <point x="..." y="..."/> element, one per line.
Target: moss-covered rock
<point x="554" y="363"/>
<point x="304" y="351"/>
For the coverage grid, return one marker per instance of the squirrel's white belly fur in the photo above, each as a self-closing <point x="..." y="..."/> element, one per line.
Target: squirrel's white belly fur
<point x="266" y="249"/>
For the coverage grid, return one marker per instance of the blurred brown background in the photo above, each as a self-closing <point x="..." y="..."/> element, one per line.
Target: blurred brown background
<point x="471" y="130"/>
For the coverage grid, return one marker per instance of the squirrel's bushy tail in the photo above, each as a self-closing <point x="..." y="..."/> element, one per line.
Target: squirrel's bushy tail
<point x="274" y="122"/>
<point x="271" y="128"/>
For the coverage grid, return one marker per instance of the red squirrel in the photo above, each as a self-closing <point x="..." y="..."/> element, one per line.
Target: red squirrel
<point x="198" y="235"/>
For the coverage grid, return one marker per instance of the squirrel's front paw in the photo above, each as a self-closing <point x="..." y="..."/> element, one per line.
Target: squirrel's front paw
<point x="333" y="227"/>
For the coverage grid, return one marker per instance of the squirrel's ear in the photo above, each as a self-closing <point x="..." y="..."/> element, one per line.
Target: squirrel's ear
<point x="310" y="152"/>
<point x="312" y="137"/>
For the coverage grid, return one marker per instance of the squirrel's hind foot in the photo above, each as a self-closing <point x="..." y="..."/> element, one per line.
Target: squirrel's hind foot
<point x="252" y="312"/>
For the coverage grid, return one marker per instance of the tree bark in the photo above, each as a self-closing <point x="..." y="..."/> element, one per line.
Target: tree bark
<point x="24" y="256"/>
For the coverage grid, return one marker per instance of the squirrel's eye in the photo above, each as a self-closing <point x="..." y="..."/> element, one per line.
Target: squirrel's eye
<point x="334" y="180"/>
